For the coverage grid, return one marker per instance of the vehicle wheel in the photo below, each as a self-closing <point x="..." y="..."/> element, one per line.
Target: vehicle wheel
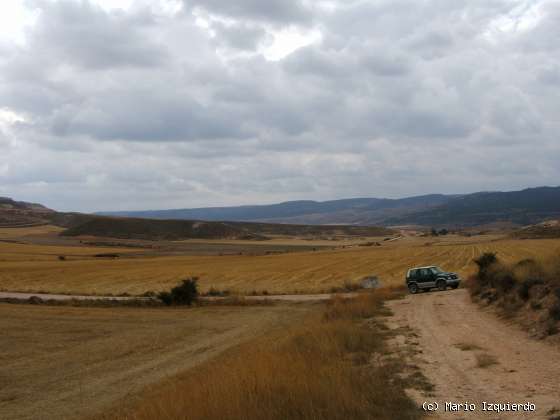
<point x="413" y="288"/>
<point x="441" y="285"/>
<point x="454" y="286"/>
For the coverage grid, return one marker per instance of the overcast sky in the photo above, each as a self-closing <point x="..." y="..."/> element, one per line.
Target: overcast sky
<point x="137" y="104"/>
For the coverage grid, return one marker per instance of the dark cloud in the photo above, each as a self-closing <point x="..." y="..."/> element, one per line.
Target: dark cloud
<point x="272" y="11"/>
<point x="147" y="108"/>
<point x="147" y="115"/>
<point x="239" y="36"/>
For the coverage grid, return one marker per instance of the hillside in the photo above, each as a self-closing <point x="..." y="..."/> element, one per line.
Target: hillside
<point x="354" y="211"/>
<point x="131" y="228"/>
<point x="544" y="230"/>
<point x="20" y="213"/>
<point x="519" y="208"/>
<point x="514" y="208"/>
<point x="529" y="206"/>
<point x="136" y="228"/>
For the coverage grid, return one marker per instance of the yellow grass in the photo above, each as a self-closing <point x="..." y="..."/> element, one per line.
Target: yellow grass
<point x="7" y="233"/>
<point x="69" y="362"/>
<point x="291" y="241"/>
<point x="285" y="273"/>
<point x="27" y="253"/>
<point x="322" y="368"/>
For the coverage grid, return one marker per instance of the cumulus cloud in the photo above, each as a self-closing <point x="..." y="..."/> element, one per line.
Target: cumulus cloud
<point x="155" y="106"/>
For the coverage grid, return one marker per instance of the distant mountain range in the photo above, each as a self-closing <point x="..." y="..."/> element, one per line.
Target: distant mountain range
<point x="354" y="211"/>
<point x="529" y="206"/>
<point x="524" y="207"/>
<point x="521" y="208"/>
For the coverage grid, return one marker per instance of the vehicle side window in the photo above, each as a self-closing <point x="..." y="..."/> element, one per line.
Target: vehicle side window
<point x="424" y="272"/>
<point x="413" y="274"/>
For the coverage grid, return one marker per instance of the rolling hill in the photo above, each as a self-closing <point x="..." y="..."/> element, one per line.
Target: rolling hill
<point x="544" y="230"/>
<point x="20" y="213"/>
<point x="523" y="207"/>
<point x="151" y="229"/>
<point x="354" y="211"/>
<point x="357" y="216"/>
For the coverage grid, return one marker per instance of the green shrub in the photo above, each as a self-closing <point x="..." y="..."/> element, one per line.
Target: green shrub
<point x="184" y="294"/>
<point x="486" y="260"/>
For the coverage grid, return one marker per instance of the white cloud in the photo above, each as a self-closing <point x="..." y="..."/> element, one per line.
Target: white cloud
<point x="286" y="41"/>
<point x="14" y="19"/>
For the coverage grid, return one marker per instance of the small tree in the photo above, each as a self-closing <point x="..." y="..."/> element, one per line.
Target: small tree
<point x="484" y="262"/>
<point x="184" y="294"/>
<point x="434" y="232"/>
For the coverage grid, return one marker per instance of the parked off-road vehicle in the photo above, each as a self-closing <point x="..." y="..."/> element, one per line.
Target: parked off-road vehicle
<point x="426" y="278"/>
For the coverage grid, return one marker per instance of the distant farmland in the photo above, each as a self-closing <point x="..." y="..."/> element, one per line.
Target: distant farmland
<point x="24" y="268"/>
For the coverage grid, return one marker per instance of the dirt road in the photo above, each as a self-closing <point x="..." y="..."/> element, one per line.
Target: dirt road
<point x="471" y="355"/>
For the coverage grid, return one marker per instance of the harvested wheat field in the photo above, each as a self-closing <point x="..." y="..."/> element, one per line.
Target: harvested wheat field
<point x="71" y="362"/>
<point x="22" y="232"/>
<point x="10" y="252"/>
<point x="22" y="269"/>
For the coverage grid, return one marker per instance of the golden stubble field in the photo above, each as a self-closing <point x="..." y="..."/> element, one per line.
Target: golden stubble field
<point x="72" y="362"/>
<point x="36" y="268"/>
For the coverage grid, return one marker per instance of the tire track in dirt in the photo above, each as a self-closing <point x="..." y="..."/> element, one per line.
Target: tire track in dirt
<point x="453" y="335"/>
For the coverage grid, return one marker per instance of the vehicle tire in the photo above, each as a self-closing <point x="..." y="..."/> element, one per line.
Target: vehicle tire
<point x="454" y="286"/>
<point x="441" y="285"/>
<point x="413" y="288"/>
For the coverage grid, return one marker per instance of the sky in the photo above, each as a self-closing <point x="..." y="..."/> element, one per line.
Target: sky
<point x="137" y="104"/>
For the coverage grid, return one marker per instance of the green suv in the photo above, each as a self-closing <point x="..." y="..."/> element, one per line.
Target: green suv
<point x="426" y="278"/>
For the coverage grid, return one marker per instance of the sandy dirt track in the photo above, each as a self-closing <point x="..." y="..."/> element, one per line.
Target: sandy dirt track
<point x="451" y="334"/>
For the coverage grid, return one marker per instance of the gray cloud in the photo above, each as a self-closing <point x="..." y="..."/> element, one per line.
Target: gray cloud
<point x="272" y="11"/>
<point x="146" y="109"/>
<point x="239" y="36"/>
<point x="83" y="35"/>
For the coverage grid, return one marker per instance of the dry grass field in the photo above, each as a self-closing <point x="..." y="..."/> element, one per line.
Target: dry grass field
<point x="29" y="253"/>
<point x="70" y="362"/>
<point x="36" y="268"/>
<point x="326" y="366"/>
<point x="10" y="233"/>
